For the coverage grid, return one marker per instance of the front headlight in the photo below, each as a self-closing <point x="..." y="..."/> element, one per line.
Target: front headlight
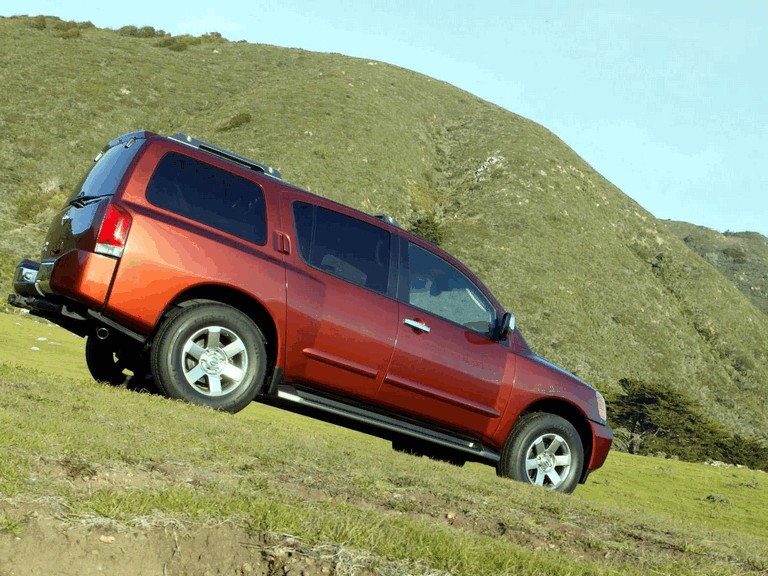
<point x="601" y="411"/>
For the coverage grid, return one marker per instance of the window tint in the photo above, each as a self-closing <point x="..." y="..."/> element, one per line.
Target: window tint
<point x="105" y="175"/>
<point x="343" y="246"/>
<point x="438" y="287"/>
<point x="209" y="195"/>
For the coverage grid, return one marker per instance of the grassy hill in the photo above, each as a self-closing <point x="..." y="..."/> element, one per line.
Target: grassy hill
<point x="742" y="257"/>
<point x="597" y="283"/>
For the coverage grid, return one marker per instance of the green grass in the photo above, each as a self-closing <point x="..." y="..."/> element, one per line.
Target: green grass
<point x="597" y="284"/>
<point x="91" y="453"/>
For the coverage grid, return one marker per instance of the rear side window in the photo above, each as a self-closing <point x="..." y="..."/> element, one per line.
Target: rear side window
<point x="210" y="195"/>
<point x="343" y="246"/>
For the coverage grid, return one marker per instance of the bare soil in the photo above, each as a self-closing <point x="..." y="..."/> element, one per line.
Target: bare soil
<point x="50" y="545"/>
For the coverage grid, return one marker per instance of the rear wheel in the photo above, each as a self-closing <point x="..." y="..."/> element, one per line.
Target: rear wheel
<point x="210" y="354"/>
<point x="545" y="450"/>
<point x="101" y="357"/>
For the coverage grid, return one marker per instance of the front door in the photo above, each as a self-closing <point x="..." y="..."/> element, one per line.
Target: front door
<point x="445" y="367"/>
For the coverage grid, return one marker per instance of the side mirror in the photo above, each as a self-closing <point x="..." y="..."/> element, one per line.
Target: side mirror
<point x="504" y="326"/>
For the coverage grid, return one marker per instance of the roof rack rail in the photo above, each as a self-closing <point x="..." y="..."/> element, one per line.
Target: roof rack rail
<point x="389" y="219"/>
<point x="226" y="154"/>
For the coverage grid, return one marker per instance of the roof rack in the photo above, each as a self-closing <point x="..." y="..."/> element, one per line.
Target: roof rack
<point x="226" y="154"/>
<point x="389" y="219"/>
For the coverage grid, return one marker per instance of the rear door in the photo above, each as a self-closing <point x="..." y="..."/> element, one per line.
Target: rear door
<point x="445" y="366"/>
<point x="76" y="219"/>
<point x="341" y="318"/>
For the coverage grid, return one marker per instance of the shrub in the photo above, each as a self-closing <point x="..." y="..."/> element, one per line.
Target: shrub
<point x="66" y="25"/>
<point x="656" y="418"/>
<point x="143" y="32"/>
<point x="429" y="228"/>
<point x="736" y="254"/>
<point x="239" y="119"/>
<point x="70" y="33"/>
<point x="178" y="43"/>
<point x="39" y="22"/>
<point x="212" y="37"/>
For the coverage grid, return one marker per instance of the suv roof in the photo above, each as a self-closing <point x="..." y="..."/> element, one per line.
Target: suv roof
<point x="226" y="154"/>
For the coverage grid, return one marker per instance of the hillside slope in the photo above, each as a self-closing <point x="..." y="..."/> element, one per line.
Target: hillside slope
<point x="596" y="282"/>
<point x="742" y="257"/>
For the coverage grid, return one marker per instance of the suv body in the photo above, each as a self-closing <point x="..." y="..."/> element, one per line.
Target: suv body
<point x="204" y="271"/>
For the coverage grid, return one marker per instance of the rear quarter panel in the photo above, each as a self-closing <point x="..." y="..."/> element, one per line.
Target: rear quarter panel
<point x="167" y="254"/>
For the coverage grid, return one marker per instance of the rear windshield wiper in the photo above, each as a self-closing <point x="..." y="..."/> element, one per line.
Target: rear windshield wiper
<point x="82" y="201"/>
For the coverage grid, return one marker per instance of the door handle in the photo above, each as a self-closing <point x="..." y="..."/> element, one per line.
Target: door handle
<point x="283" y="242"/>
<point x="416" y="325"/>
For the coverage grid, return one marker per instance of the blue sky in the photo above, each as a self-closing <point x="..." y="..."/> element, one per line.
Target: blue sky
<point x="668" y="100"/>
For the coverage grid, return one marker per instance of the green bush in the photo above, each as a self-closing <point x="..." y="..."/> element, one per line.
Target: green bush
<point x="238" y="120"/>
<point x="429" y="228"/>
<point x="178" y="43"/>
<point x="39" y="22"/>
<point x="143" y="32"/>
<point x="70" y="33"/>
<point x="656" y="418"/>
<point x="736" y="253"/>
<point x="66" y="25"/>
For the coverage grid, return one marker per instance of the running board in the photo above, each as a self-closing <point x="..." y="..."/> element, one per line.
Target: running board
<point x="307" y="399"/>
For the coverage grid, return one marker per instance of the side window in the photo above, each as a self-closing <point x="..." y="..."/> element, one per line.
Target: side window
<point x="209" y="195"/>
<point x="441" y="289"/>
<point x="343" y="246"/>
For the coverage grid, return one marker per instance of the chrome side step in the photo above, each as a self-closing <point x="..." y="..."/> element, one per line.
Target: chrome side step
<point x="306" y="399"/>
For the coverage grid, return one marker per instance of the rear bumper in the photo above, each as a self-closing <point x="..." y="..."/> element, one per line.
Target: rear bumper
<point x="79" y="275"/>
<point x="25" y="277"/>
<point x="29" y="294"/>
<point x="64" y="292"/>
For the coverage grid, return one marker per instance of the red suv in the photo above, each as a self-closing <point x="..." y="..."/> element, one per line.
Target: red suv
<point x="205" y="271"/>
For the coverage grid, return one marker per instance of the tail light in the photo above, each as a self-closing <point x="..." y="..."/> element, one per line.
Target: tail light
<point x="113" y="232"/>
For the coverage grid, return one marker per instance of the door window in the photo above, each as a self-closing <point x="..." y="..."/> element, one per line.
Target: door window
<point x="343" y="246"/>
<point x="441" y="289"/>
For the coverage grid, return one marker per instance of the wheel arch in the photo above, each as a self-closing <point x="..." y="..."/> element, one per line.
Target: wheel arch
<point x="246" y="303"/>
<point x="577" y="419"/>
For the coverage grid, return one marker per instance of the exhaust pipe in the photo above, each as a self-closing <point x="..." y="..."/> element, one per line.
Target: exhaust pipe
<point x="102" y="333"/>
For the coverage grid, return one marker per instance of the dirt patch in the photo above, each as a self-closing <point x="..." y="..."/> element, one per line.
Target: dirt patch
<point x="48" y="545"/>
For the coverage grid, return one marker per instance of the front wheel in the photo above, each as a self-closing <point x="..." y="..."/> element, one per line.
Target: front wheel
<point x="210" y="354"/>
<point x="545" y="450"/>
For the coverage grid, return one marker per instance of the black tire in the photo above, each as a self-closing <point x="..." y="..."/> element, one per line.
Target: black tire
<point x="545" y="450"/>
<point x="209" y="354"/>
<point x="102" y="361"/>
<point x="141" y="380"/>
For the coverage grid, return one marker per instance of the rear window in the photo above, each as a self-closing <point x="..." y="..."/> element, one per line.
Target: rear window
<point x="107" y="172"/>
<point x="209" y="195"/>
